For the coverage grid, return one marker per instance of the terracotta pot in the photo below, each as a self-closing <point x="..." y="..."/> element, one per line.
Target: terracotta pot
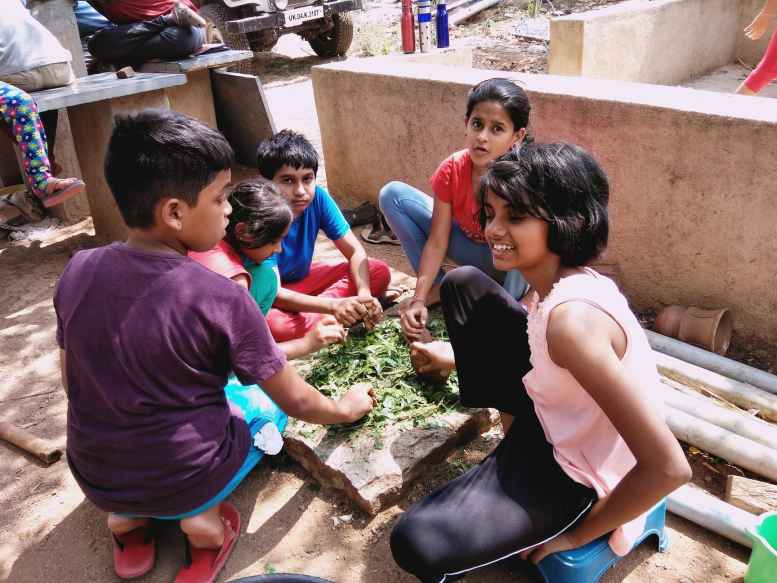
<point x="710" y="329"/>
<point x="668" y="320"/>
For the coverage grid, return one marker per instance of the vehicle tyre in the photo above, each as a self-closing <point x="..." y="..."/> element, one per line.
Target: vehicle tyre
<point x="216" y="14"/>
<point x="335" y="42"/>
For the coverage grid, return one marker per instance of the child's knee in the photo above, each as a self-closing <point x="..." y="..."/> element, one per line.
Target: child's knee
<point x="389" y="194"/>
<point x="380" y="276"/>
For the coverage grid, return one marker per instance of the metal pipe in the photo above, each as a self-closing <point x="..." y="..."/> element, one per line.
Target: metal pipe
<point x="464" y="14"/>
<point x="714" y="362"/>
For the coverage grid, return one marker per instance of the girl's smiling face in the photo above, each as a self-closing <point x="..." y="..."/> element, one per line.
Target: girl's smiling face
<point x="516" y="241"/>
<point x="490" y="133"/>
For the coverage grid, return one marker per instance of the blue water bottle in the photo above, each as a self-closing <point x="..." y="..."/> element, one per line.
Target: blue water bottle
<point x="442" y="25"/>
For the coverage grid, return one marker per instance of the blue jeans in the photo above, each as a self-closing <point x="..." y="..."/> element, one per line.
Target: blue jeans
<point x="89" y="21"/>
<point x="408" y="212"/>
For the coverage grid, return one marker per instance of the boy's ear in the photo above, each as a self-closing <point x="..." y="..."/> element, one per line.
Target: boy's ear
<point x="170" y="212"/>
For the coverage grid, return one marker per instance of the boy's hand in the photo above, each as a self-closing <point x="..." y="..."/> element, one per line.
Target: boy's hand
<point x="327" y="331"/>
<point x="414" y="319"/>
<point x="357" y="402"/>
<point x="348" y="311"/>
<point x="374" y="311"/>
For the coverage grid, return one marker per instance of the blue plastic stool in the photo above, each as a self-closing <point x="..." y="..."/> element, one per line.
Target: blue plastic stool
<point x="588" y="563"/>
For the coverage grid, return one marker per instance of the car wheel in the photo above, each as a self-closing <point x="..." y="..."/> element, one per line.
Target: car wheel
<point x="336" y="41"/>
<point x="216" y="14"/>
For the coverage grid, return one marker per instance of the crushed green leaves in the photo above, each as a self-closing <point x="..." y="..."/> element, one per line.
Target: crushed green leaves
<point x="381" y="357"/>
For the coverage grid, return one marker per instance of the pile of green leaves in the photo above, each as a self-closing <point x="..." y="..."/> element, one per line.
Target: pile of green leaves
<point x="381" y="357"/>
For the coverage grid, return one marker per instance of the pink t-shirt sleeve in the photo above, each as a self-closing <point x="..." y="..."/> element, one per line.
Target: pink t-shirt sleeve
<point x="222" y="259"/>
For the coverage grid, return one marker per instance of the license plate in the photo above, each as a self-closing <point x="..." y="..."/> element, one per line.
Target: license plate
<point x="297" y="16"/>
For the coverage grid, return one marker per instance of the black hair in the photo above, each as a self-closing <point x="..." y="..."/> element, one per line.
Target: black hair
<point x="157" y="154"/>
<point x="285" y="147"/>
<point x="561" y="184"/>
<point x="261" y="207"/>
<point x="507" y="94"/>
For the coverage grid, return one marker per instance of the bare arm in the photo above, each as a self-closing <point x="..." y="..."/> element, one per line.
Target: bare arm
<point x="584" y="340"/>
<point x="292" y="301"/>
<point x="63" y="369"/>
<point x="435" y="249"/>
<point x="354" y="252"/>
<point x="298" y="399"/>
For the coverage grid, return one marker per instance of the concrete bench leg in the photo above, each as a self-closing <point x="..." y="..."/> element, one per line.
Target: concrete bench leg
<point x="92" y="124"/>
<point x="243" y="115"/>
<point x="195" y="98"/>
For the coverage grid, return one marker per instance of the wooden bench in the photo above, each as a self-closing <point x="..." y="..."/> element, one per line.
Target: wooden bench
<point x="91" y="104"/>
<point x="235" y="103"/>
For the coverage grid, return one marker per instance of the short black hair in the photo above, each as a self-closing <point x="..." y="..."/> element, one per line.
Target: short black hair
<point x="157" y="154"/>
<point x="506" y="93"/>
<point x="264" y="211"/>
<point x="561" y="184"/>
<point x="285" y="147"/>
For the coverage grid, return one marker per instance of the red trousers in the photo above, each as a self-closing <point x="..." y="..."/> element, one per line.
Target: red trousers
<point x="326" y="280"/>
<point x="766" y="71"/>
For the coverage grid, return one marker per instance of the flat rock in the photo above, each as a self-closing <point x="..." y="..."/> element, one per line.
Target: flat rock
<point x="373" y="469"/>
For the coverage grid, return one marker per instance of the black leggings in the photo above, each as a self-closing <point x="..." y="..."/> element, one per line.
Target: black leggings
<point x="518" y="496"/>
<point x="138" y="42"/>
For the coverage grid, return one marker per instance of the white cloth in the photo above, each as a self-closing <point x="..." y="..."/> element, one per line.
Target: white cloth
<point x="269" y="439"/>
<point x="24" y="42"/>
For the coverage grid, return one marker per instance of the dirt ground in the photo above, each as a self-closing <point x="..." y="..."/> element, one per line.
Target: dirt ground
<point x="48" y="531"/>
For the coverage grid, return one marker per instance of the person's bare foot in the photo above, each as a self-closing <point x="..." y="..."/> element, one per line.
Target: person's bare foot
<point x="182" y="15"/>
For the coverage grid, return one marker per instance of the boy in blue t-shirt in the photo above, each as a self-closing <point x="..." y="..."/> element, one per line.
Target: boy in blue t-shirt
<point x="310" y="289"/>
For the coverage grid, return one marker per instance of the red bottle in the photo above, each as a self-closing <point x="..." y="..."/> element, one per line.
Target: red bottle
<point x="408" y="27"/>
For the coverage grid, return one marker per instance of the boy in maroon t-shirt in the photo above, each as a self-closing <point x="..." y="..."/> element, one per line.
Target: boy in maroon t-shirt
<point x="148" y="338"/>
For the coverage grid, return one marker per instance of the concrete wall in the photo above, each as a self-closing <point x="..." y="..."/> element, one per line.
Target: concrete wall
<point x="665" y="41"/>
<point x="692" y="172"/>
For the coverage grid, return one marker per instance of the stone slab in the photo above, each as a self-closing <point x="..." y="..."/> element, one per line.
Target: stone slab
<point x="220" y="59"/>
<point x="374" y="471"/>
<point x="242" y="112"/>
<point x="102" y="87"/>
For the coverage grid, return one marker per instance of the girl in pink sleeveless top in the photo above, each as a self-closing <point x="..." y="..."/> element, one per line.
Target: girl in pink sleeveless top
<point x="586" y="450"/>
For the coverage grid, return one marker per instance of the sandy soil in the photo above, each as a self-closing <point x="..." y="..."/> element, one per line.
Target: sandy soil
<point x="49" y="532"/>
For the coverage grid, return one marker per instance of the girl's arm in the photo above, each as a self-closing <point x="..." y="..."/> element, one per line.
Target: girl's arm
<point x="584" y="340"/>
<point x="757" y="28"/>
<point x="415" y="316"/>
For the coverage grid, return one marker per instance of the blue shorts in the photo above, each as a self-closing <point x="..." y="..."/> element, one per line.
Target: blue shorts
<point x="258" y="409"/>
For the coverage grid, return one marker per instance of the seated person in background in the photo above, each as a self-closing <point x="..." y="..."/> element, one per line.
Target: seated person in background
<point x="32" y="59"/>
<point x="260" y="218"/>
<point x="143" y="30"/>
<point x="148" y="338"/>
<point x="310" y="289"/>
<point x="19" y="116"/>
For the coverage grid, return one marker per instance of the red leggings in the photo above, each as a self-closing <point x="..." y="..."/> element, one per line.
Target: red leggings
<point x="766" y="71"/>
<point x="332" y="281"/>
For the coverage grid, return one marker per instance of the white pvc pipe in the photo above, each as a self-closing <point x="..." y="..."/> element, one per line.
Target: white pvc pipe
<point x="734" y="448"/>
<point x="712" y="513"/>
<point x="741" y="394"/>
<point x="470" y="11"/>
<point x="731" y="420"/>
<point x="714" y="362"/>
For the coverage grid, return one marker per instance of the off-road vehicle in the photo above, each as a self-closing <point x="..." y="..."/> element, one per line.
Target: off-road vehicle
<point x="257" y="24"/>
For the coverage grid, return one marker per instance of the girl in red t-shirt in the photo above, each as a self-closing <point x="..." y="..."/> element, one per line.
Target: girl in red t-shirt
<point x="431" y="229"/>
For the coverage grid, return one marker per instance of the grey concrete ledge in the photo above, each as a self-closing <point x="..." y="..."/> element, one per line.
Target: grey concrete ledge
<point x="104" y="86"/>
<point x="221" y="59"/>
<point x="682" y="99"/>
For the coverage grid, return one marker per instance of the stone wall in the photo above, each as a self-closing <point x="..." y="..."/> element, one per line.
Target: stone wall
<point x="692" y="180"/>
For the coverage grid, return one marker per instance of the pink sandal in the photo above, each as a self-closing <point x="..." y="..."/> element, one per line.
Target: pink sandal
<point x="204" y="565"/>
<point x="58" y="190"/>
<point x="134" y="552"/>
